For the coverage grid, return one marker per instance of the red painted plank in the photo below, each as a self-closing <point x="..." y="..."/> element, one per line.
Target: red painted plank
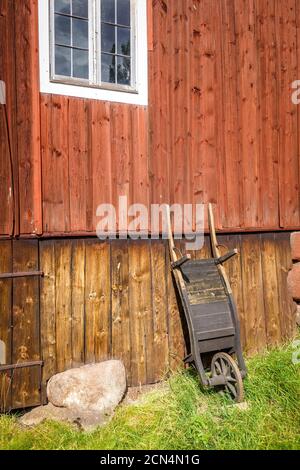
<point x="28" y="115"/>
<point x="286" y="37"/>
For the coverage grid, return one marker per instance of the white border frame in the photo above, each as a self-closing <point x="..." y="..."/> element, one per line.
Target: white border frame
<point x="137" y="97"/>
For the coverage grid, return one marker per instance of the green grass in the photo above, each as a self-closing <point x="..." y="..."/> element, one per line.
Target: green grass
<point x="184" y="417"/>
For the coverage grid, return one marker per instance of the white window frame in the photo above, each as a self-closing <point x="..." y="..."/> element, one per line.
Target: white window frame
<point x="136" y="94"/>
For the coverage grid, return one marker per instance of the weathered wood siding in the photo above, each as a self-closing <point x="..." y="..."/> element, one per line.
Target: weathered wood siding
<point x="100" y="300"/>
<point x="20" y="324"/>
<point x="220" y="125"/>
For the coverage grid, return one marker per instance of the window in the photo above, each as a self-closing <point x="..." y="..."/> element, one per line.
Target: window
<point x="94" y="49"/>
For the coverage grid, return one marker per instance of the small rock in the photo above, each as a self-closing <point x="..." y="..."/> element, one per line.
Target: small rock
<point x="244" y="406"/>
<point x="84" y="420"/>
<point x="97" y="388"/>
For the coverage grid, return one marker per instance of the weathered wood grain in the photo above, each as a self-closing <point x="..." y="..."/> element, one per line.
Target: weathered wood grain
<point x="26" y="328"/>
<point x="48" y="312"/>
<point x="6" y="323"/>
<point x="63" y="259"/>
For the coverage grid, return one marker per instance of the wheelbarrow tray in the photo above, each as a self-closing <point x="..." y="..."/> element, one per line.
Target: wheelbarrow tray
<point x="208" y="306"/>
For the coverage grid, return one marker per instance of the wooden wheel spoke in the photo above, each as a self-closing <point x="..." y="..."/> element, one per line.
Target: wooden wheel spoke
<point x="231" y="389"/>
<point x="218" y="367"/>
<point x="231" y="379"/>
<point x="224" y="367"/>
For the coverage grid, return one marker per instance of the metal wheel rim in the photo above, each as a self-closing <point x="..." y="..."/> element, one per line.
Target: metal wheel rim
<point x="224" y="364"/>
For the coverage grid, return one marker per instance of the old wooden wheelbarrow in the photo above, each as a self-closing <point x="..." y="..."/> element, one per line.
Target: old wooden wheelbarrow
<point x="211" y="316"/>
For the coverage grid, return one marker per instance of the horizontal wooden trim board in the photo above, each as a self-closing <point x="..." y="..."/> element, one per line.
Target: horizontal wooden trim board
<point x="100" y="300"/>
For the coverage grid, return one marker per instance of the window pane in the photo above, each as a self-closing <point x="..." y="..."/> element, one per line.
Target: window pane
<point x="80" y="8"/>
<point x="108" y="39"/>
<point x="80" y="64"/>
<point x="108" y="68"/>
<point x="123" y="67"/>
<point x="63" y="61"/>
<point x="123" y="15"/>
<point x="62" y="30"/>
<point x="124" y="41"/>
<point x="80" y="33"/>
<point x="108" y="11"/>
<point x="62" y="6"/>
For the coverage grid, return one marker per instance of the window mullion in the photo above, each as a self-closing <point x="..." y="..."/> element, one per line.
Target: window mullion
<point x="98" y="42"/>
<point x="92" y="43"/>
<point x="116" y="41"/>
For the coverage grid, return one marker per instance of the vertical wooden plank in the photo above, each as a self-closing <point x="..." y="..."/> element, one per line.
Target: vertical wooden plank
<point x="141" y="326"/>
<point x="286" y="37"/>
<point x="5" y="323"/>
<point x="63" y="250"/>
<point x="26" y="330"/>
<point x="48" y="311"/>
<point x="55" y="158"/>
<point x="8" y="75"/>
<point x="180" y="104"/>
<point x="249" y="106"/>
<point x="121" y="339"/>
<point x="150" y="24"/>
<point x="253" y="293"/>
<point x="286" y="305"/>
<point x="230" y="192"/>
<point x="271" y="290"/>
<point x="97" y="302"/>
<point x="159" y="108"/>
<point x="267" y="89"/>
<point x="177" y="347"/>
<point x="77" y="301"/>
<point x="121" y="153"/>
<point x="78" y="158"/>
<point x="205" y="157"/>
<point x="28" y="115"/>
<point x="234" y="269"/>
<point x="101" y="155"/>
<point x="139" y="170"/>
<point x="160" y="310"/>
<point x="6" y="209"/>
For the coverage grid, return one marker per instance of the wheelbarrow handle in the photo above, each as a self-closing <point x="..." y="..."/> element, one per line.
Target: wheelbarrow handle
<point x="180" y="262"/>
<point x="226" y="257"/>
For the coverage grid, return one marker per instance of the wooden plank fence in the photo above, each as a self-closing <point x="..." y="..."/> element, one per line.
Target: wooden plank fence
<point x="100" y="300"/>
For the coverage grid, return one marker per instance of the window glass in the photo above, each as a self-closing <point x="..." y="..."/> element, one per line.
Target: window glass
<point x="80" y="64"/>
<point x="73" y="37"/>
<point x="63" y="61"/>
<point x="108" y="12"/>
<point x="71" y="29"/>
<point x="80" y="8"/>
<point x="123" y="14"/>
<point x="116" y="39"/>
<point x="108" y="68"/>
<point x="62" y="6"/>
<point x="80" y="33"/>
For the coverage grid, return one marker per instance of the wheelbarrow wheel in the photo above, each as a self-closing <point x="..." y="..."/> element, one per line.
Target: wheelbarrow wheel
<point x="223" y="364"/>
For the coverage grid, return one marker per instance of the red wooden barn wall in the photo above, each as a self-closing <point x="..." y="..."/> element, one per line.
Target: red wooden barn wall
<point x="220" y="125"/>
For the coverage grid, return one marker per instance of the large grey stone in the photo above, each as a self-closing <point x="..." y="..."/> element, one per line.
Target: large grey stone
<point x="87" y="421"/>
<point x="86" y="396"/>
<point x="97" y="388"/>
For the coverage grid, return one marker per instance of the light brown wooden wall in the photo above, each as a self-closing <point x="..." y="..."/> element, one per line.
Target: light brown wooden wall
<point x="220" y="125"/>
<point x="101" y="300"/>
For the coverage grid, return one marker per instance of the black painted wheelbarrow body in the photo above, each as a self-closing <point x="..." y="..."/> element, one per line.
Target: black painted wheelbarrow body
<point x="211" y="317"/>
